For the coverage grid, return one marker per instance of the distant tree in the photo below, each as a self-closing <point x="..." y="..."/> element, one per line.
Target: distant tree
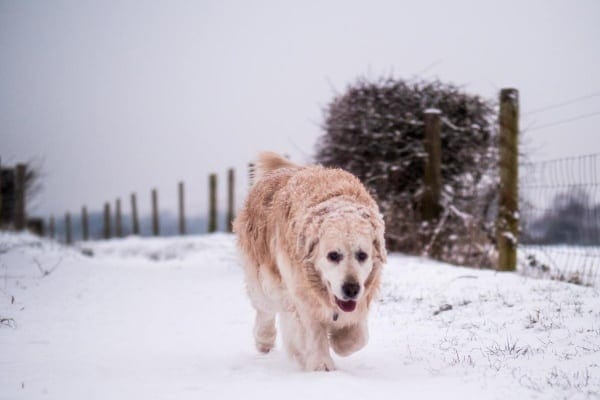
<point x="375" y="130"/>
<point x="33" y="180"/>
<point x="571" y="219"/>
<point x="33" y="187"/>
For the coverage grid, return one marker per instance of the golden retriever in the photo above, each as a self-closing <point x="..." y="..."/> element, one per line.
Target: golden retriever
<point x="313" y="248"/>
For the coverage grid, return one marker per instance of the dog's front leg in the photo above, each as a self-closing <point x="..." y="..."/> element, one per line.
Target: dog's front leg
<point x="349" y="339"/>
<point x="317" y="357"/>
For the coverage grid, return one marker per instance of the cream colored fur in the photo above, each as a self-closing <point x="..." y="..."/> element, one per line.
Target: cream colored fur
<point x="293" y="218"/>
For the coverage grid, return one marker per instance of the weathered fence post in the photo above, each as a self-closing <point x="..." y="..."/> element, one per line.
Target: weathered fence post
<point x="135" y="224"/>
<point x="20" y="216"/>
<point x="107" y="221"/>
<point x="1" y="194"/>
<point x="85" y="233"/>
<point x="181" y="210"/>
<point x="433" y="177"/>
<point x="155" y="221"/>
<point x="68" y="231"/>
<point x="230" y="198"/>
<point x="36" y="226"/>
<point x="8" y="196"/>
<point x="118" y="219"/>
<point x="51" y="227"/>
<point x="507" y="224"/>
<point x="212" y="206"/>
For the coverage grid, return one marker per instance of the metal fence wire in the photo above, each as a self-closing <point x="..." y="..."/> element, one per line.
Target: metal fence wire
<point x="560" y="219"/>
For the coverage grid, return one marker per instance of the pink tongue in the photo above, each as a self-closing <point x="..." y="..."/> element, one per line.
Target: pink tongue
<point x="347" y="306"/>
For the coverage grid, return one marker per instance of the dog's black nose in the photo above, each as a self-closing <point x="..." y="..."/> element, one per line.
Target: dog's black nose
<point x="350" y="289"/>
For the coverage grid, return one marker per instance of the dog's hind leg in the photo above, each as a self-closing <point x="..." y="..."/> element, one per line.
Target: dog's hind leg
<point x="265" y="331"/>
<point x="349" y="339"/>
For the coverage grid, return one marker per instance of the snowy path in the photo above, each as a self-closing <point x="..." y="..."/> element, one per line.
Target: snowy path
<point x="168" y="319"/>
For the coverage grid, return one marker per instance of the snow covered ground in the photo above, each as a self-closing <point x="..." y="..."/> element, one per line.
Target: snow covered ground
<point x="569" y="263"/>
<point x="168" y="319"/>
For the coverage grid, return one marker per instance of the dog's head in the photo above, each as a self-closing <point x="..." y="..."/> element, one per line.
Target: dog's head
<point x="347" y="251"/>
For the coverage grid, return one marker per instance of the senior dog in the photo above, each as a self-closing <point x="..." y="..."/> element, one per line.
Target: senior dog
<point x="312" y="244"/>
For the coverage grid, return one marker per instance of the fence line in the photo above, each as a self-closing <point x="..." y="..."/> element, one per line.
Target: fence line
<point x="560" y="218"/>
<point x="558" y="205"/>
<point x="121" y="224"/>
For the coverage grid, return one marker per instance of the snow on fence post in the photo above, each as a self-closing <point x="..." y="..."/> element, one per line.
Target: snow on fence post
<point x="20" y="217"/>
<point x="212" y="200"/>
<point x="155" y="221"/>
<point x="118" y="219"/>
<point x="106" y="220"/>
<point x="432" y="174"/>
<point x="230" y="198"/>
<point x="85" y="233"/>
<point x="507" y="223"/>
<point x="182" y="228"/>
<point x="68" y="231"/>
<point x="135" y="225"/>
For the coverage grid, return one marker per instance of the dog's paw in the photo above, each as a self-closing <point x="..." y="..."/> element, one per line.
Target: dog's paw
<point x="322" y="364"/>
<point x="264" y="347"/>
<point x="344" y="346"/>
<point x="348" y="340"/>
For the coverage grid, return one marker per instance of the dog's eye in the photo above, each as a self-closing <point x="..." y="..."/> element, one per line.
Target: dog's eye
<point x="334" y="256"/>
<point x="361" y="256"/>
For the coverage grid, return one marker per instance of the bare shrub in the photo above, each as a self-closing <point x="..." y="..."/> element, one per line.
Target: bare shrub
<point x="376" y="131"/>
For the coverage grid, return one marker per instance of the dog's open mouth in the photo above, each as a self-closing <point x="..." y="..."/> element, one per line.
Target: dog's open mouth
<point x="347" y="306"/>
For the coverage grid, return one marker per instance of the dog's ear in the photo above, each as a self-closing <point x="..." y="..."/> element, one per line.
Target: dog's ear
<point x="379" y="252"/>
<point x="306" y="246"/>
<point x="379" y="256"/>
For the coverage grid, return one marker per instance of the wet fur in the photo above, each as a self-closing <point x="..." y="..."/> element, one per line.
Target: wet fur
<point x="278" y="233"/>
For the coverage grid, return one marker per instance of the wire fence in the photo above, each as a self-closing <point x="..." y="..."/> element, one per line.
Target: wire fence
<point x="560" y="219"/>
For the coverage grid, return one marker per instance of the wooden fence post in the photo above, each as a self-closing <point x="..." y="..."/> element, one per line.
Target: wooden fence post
<point x="155" y="221"/>
<point x="36" y="226"/>
<point x="182" y="227"/>
<point x="8" y="196"/>
<point x="1" y="193"/>
<point x="250" y="174"/>
<point x="20" y="216"/>
<point x="107" y="230"/>
<point x="507" y="223"/>
<point x="85" y="233"/>
<point x="212" y="207"/>
<point x="135" y="224"/>
<point x="118" y="219"/>
<point x="51" y="227"/>
<point x="230" y="198"/>
<point x="433" y="177"/>
<point x="68" y="231"/>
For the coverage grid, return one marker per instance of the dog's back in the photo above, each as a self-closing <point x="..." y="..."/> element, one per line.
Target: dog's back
<point x="308" y="186"/>
<point x="254" y="224"/>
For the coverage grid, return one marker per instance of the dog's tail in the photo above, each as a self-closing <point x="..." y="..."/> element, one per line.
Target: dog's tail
<point x="268" y="161"/>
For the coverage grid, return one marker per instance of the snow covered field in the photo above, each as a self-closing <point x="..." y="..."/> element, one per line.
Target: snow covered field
<point x="569" y="263"/>
<point x="168" y="319"/>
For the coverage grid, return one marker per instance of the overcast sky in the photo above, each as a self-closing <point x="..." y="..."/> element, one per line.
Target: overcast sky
<point x="114" y="97"/>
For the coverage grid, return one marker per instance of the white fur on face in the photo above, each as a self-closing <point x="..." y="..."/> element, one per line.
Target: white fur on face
<point x="348" y="244"/>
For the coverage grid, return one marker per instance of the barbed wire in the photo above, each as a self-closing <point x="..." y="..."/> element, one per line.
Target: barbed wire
<point x="562" y="104"/>
<point x="563" y="121"/>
